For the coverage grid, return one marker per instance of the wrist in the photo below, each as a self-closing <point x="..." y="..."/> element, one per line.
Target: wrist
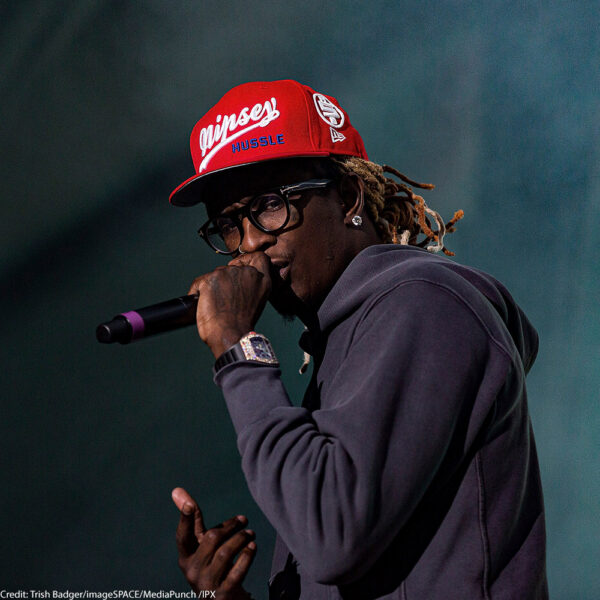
<point x="252" y="347"/>
<point x="225" y="340"/>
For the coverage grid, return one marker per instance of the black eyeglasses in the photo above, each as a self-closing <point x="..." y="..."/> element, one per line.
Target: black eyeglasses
<point x="268" y="211"/>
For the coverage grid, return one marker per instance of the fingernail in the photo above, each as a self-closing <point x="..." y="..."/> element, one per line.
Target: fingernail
<point x="187" y="509"/>
<point x="249" y="532"/>
<point x="242" y="519"/>
<point x="252" y="546"/>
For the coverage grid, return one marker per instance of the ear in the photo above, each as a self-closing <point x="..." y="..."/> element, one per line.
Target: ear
<point x="352" y="191"/>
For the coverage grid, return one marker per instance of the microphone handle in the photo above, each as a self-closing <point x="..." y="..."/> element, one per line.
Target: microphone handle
<point x="150" y="320"/>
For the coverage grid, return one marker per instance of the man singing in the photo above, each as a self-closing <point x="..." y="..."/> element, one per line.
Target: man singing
<point x="410" y="470"/>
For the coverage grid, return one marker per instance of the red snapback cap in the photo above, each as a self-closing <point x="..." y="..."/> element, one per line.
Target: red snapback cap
<point x="266" y="120"/>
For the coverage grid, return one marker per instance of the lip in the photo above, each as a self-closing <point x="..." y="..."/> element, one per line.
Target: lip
<point x="284" y="272"/>
<point x="280" y="269"/>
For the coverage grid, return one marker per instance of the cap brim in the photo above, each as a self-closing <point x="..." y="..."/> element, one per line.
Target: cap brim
<point x="190" y="191"/>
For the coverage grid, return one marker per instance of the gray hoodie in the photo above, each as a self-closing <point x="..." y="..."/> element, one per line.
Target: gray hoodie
<point x="410" y="470"/>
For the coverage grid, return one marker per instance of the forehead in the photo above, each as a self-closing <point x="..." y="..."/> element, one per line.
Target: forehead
<point x="233" y="185"/>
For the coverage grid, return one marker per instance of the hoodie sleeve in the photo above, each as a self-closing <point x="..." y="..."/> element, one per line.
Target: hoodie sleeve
<point x="411" y="395"/>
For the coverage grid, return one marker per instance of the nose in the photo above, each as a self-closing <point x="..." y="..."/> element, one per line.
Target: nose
<point x="254" y="239"/>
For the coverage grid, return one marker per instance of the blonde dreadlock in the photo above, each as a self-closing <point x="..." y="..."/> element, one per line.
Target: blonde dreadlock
<point x="399" y="214"/>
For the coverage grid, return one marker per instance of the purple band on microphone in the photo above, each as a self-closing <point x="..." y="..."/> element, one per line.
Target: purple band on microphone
<point x="137" y="324"/>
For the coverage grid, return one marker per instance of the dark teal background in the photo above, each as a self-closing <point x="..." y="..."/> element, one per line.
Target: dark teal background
<point x="497" y="103"/>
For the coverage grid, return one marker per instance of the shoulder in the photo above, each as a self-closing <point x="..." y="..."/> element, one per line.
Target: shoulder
<point x="386" y="268"/>
<point x="417" y="285"/>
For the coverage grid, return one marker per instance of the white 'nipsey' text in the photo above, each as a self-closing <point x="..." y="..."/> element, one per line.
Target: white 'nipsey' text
<point x="260" y="115"/>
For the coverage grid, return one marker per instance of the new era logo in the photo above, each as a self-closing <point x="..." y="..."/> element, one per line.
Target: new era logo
<point x="336" y="136"/>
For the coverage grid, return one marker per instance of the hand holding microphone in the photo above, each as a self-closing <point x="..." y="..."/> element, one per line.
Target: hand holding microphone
<point x="231" y="299"/>
<point x="225" y="303"/>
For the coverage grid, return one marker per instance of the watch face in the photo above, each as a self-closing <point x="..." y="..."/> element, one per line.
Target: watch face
<point x="260" y="348"/>
<point x="257" y="347"/>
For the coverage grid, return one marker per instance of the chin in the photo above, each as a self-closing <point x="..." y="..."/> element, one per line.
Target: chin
<point x="285" y="302"/>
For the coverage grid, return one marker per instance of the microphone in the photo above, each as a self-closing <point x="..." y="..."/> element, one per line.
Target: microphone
<point x="144" y="322"/>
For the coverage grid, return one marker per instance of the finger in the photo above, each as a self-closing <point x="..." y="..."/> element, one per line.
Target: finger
<point x="181" y="498"/>
<point x="188" y="506"/>
<point x="239" y="261"/>
<point x="194" y="288"/>
<point x="202" y="281"/>
<point x="191" y="524"/>
<point x="224" y="554"/>
<point x="216" y="536"/>
<point x="240" y="568"/>
<point x="259" y="260"/>
<point x="260" y="263"/>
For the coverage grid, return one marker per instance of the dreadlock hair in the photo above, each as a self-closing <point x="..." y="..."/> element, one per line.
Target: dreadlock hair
<point x="399" y="215"/>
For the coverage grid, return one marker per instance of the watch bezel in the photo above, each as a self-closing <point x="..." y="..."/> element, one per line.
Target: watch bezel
<point x="250" y="352"/>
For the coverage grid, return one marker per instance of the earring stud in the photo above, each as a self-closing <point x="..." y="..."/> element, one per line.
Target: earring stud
<point x="357" y="220"/>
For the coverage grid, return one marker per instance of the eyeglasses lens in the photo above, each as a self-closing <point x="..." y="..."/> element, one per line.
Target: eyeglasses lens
<point x="269" y="211"/>
<point x="223" y="234"/>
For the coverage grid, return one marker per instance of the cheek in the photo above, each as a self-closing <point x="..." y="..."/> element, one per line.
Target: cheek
<point x="315" y="263"/>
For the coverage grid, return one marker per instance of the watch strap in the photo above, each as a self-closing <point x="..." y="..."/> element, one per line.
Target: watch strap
<point x="234" y="354"/>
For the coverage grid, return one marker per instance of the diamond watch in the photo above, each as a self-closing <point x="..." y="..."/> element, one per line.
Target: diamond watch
<point x="253" y="347"/>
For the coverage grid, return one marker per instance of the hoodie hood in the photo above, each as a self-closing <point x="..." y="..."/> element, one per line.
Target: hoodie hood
<point x="373" y="267"/>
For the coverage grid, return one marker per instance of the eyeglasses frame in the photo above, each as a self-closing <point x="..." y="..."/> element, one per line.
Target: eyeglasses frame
<point x="283" y="191"/>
